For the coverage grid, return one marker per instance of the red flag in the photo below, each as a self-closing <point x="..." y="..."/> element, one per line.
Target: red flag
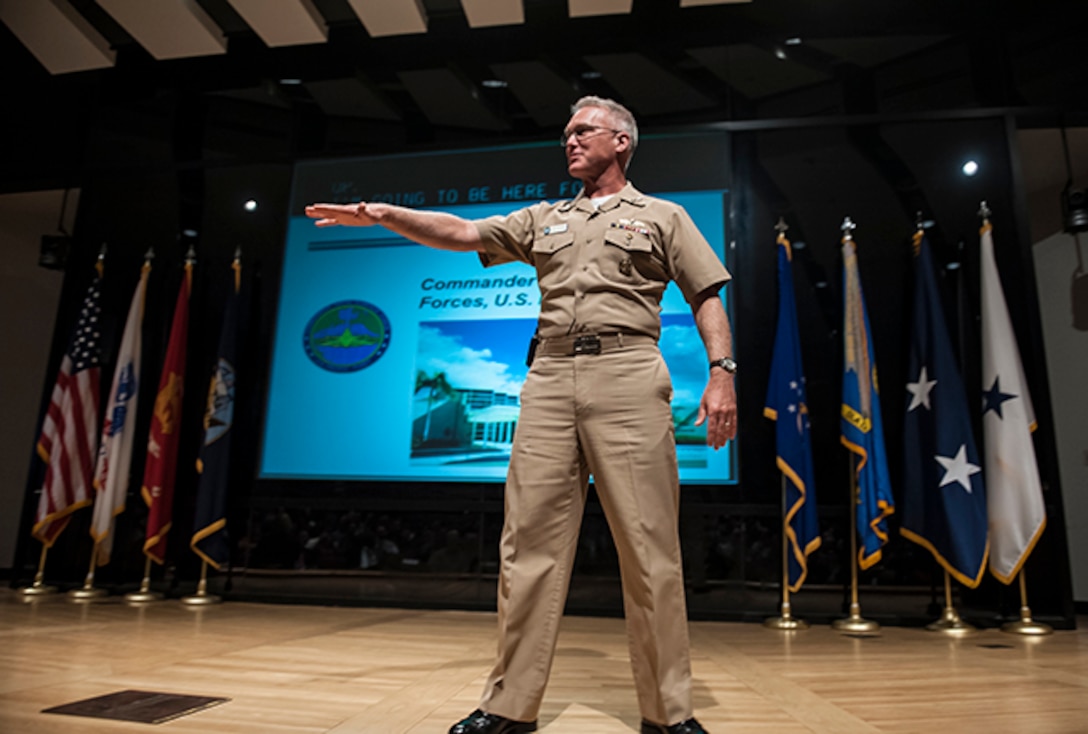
<point x="69" y="439"/>
<point x="162" y="443"/>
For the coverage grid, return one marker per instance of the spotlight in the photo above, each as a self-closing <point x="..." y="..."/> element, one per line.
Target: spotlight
<point x="250" y="205"/>
<point x="1074" y="209"/>
<point x="970" y="168"/>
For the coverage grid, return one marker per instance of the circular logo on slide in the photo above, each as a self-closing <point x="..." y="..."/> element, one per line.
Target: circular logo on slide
<point x="346" y="336"/>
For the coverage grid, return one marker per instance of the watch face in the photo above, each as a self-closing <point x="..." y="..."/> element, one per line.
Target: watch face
<point x="726" y="363"/>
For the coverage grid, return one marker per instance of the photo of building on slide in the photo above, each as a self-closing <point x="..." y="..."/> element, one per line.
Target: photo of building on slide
<point x="468" y="380"/>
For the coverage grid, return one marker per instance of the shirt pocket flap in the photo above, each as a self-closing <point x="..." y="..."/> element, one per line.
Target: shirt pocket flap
<point x="550" y="244"/>
<point x="629" y="240"/>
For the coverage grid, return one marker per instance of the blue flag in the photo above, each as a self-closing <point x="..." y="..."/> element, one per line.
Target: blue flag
<point x="943" y="493"/>
<point x="862" y="427"/>
<point x="210" y="540"/>
<point x="788" y="408"/>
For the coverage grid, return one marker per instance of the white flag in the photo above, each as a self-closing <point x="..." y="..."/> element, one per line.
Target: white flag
<point x="1014" y="494"/>
<point x="111" y="473"/>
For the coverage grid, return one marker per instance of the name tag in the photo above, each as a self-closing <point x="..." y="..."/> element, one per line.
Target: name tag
<point x="556" y="229"/>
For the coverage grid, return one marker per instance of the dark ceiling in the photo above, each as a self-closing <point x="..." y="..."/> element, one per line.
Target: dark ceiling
<point x="737" y="62"/>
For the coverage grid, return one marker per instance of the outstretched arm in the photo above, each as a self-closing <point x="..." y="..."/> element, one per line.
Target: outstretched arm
<point x="439" y="230"/>
<point x="719" y="404"/>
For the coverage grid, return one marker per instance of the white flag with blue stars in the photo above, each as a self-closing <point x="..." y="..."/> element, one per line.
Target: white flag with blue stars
<point x="1014" y="492"/>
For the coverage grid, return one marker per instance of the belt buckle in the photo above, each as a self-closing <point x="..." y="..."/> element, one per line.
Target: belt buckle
<point x="587" y="344"/>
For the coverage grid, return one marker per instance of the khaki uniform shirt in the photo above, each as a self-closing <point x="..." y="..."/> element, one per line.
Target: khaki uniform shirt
<point x="604" y="269"/>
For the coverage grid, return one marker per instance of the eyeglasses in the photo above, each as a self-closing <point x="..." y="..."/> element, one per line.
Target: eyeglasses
<point x="581" y="134"/>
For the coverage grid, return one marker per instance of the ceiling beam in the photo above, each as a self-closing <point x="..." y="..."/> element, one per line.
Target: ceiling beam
<point x="583" y="8"/>
<point x="284" y="22"/>
<point x="483" y="13"/>
<point x="58" y="36"/>
<point x="391" y="17"/>
<point x="168" y="29"/>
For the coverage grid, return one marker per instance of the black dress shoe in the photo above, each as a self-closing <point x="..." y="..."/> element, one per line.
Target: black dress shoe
<point x="481" y="722"/>
<point x="691" y="726"/>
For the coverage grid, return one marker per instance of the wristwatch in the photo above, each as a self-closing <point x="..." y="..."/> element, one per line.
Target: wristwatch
<point x="726" y="363"/>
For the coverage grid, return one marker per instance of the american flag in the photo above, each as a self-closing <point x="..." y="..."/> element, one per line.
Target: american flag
<point x="69" y="439"/>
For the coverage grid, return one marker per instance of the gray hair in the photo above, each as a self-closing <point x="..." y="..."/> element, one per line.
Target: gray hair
<point x="621" y="116"/>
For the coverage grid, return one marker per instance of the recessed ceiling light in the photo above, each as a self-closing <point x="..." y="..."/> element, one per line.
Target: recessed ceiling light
<point x="494" y="83"/>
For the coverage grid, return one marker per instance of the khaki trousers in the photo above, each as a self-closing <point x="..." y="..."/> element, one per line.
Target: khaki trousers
<point x="607" y="415"/>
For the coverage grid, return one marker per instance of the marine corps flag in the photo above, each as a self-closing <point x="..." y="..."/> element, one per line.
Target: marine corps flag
<point x="162" y="444"/>
<point x="943" y="494"/>
<point x="787" y="407"/>
<point x="862" y="427"/>
<point x="69" y="435"/>
<point x="1015" y="494"/>
<point x="210" y="540"/>
<point x="111" y="473"/>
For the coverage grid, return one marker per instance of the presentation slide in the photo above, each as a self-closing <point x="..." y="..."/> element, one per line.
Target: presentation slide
<point x="393" y="361"/>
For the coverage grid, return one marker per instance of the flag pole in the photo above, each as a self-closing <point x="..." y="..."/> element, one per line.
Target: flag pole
<point x="1026" y="625"/>
<point x="145" y="594"/>
<point x="39" y="588"/>
<point x="201" y="598"/>
<point x="88" y="592"/>
<point x="786" y="621"/>
<point x="854" y="622"/>
<point x="950" y="622"/>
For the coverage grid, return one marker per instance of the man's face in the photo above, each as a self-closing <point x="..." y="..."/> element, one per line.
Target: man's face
<point x="592" y="143"/>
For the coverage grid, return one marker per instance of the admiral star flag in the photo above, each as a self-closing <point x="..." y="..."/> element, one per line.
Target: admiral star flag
<point x="111" y="474"/>
<point x="862" y="426"/>
<point x="788" y="408"/>
<point x="160" y="471"/>
<point x="1015" y="494"/>
<point x="69" y="435"/>
<point x="943" y="493"/>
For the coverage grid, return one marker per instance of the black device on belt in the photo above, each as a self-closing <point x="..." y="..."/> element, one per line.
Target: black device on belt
<point x="533" y="344"/>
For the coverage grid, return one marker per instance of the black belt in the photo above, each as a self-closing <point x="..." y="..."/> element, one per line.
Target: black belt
<point x="567" y="346"/>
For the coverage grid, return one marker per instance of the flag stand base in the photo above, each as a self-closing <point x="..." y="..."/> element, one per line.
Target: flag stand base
<point x="36" y="590"/>
<point x="142" y="596"/>
<point x="201" y="600"/>
<point x="1027" y="626"/>
<point x="786" y="623"/>
<point x="86" y="593"/>
<point x="950" y="624"/>
<point x="855" y="622"/>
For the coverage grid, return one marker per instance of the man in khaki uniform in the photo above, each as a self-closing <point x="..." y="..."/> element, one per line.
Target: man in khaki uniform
<point x="595" y="402"/>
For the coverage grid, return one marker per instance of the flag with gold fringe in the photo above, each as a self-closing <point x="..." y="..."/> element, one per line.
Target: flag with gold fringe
<point x="862" y="425"/>
<point x="944" y="497"/>
<point x="160" y="471"/>
<point x="788" y="408"/>
<point x="69" y="437"/>
<point x="111" y="473"/>
<point x="210" y="539"/>
<point x="1014" y="491"/>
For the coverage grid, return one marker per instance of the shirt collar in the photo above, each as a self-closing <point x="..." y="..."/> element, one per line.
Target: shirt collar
<point x="628" y="194"/>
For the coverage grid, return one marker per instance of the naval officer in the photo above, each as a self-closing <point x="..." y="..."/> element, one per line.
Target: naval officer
<point x="596" y="402"/>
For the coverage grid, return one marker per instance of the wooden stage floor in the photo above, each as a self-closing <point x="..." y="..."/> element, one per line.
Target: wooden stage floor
<point x="315" y="669"/>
